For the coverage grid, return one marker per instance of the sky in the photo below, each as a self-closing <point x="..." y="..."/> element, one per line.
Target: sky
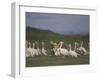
<point x="59" y="23"/>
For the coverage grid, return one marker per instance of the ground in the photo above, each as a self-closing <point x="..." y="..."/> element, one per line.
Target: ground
<point x="55" y="61"/>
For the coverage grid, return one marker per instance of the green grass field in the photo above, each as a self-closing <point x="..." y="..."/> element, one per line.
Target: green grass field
<point x="55" y="61"/>
<point x="33" y="34"/>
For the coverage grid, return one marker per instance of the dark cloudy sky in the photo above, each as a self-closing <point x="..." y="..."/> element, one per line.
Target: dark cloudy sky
<point x="59" y="23"/>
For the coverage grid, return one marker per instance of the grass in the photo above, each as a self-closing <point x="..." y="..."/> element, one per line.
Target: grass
<point x="55" y="61"/>
<point x="33" y="34"/>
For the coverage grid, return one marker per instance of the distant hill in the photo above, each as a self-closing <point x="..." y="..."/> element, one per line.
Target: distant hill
<point x="34" y="34"/>
<point x="38" y="34"/>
